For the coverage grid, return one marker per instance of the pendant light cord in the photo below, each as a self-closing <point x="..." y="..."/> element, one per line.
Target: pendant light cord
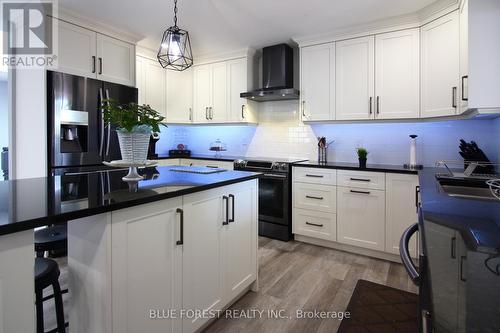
<point x="175" y="13"/>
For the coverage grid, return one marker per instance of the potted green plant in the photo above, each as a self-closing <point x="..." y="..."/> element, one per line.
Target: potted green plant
<point x="134" y="125"/>
<point x="362" y="154"/>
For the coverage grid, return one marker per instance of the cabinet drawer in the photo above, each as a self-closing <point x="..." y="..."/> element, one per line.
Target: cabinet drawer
<point x="315" y="175"/>
<point x="316" y="197"/>
<point x="315" y="224"/>
<point x="361" y="179"/>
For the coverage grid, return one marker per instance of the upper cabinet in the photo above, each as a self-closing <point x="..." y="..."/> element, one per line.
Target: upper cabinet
<point x="180" y="96"/>
<point x="440" y="66"/>
<point x="152" y="84"/>
<point x="87" y="53"/>
<point x="77" y="50"/>
<point x="397" y="75"/>
<point x="354" y="83"/>
<point x="241" y="110"/>
<point x="317" y="88"/>
<point x="216" y="92"/>
<point x="464" y="55"/>
<point x="116" y="60"/>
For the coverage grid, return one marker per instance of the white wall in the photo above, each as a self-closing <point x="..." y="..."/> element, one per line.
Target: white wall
<point x="30" y="153"/>
<point x="281" y="134"/>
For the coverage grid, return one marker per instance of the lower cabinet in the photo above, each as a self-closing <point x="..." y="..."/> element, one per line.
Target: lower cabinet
<point x="146" y="267"/>
<point x="400" y="210"/>
<point x="361" y="217"/>
<point x="183" y="255"/>
<point x="365" y="209"/>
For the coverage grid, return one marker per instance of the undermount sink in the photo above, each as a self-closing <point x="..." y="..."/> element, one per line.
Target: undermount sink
<point x="466" y="188"/>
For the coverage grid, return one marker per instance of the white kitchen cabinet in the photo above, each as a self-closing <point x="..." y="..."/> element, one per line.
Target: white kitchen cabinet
<point x="354" y="78"/>
<point x="315" y="197"/>
<point x="440" y="68"/>
<point x="90" y="54"/>
<point x="397" y="74"/>
<point x="464" y="55"/>
<point x="400" y="210"/>
<point x="152" y="84"/>
<point x="361" y="217"/>
<point x="202" y="93"/>
<point x="115" y="60"/>
<point x="179" y="100"/>
<point x="218" y="92"/>
<point x="315" y="224"/>
<point x="240" y="239"/>
<point x="317" y="88"/>
<point x="241" y="110"/>
<point x="77" y="50"/>
<point x="147" y="266"/>
<point x="210" y="93"/>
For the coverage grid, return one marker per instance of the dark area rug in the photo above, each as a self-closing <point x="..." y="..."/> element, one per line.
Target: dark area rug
<point x="377" y="308"/>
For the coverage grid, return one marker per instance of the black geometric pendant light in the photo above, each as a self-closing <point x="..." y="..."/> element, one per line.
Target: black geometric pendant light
<point x="175" y="48"/>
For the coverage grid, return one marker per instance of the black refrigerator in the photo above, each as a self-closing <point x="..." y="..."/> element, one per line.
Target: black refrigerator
<point x="78" y="138"/>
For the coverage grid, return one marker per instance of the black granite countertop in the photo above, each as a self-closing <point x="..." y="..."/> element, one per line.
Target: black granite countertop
<point x="477" y="220"/>
<point x="355" y="166"/>
<point x="211" y="157"/>
<point x="29" y="203"/>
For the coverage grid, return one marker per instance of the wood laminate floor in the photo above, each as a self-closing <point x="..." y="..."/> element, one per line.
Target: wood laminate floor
<point x="297" y="276"/>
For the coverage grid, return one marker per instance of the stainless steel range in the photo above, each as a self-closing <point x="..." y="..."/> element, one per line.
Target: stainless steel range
<point x="275" y="196"/>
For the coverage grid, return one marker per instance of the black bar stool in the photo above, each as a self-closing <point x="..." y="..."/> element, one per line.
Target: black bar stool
<point x="47" y="274"/>
<point x="53" y="239"/>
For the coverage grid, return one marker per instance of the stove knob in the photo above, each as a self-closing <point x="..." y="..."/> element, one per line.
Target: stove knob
<point x="283" y="166"/>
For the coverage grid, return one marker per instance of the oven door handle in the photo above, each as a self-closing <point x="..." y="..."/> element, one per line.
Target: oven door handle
<point x="404" y="252"/>
<point x="270" y="175"/>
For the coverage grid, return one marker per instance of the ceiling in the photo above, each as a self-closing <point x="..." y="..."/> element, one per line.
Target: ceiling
<point x="218" y="26"/>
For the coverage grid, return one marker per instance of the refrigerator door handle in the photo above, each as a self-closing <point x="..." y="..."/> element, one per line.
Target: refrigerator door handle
<point x="102" y="122"/>
<point x="109" y="128"/>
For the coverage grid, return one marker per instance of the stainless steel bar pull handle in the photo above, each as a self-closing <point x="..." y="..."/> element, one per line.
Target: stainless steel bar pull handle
<point x="313" y="197"/>
<point x="360" y="192"/>
<point x="314" y="176"/>
<point x="243" y="111"/>
<point x="360" y="180"/>
<point x="370" y="103"/>
<point x="93" y="64"/>
<point x="231" y="196"/>
<point x="211" y="113"/>
<point x="453" y="247"/>
<point x="100" y="65"/>
<point x="464" y="95"/>
<point x="225" y="199"/>
<point x="190" y="114"/>
<point x="181" y="214"/>
<point x="206" y="113"/>
<point x="102" y="122"/>
<point x="454" y="97"/>
<point x="109" y="128"/>
<point x="314" y="224"/>
<point x="304" y="109"/>
<point x="378" y="104"/>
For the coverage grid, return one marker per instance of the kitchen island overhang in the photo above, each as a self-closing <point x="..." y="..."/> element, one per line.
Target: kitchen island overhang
<point x="187" y="230"/>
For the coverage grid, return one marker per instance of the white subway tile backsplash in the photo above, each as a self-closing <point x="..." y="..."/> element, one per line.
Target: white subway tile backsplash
<point x="280" y="133"/>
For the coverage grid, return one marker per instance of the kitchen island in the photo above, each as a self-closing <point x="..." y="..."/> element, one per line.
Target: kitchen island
<point x="170" y="244"/>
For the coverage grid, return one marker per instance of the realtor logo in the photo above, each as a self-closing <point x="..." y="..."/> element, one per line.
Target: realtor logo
<point x="29" y="33"/>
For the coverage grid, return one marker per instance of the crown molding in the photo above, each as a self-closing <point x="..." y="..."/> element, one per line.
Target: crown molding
<point x="223" y="56"/>
<point x="102" y="28"/>
<point x="407" y="21"/>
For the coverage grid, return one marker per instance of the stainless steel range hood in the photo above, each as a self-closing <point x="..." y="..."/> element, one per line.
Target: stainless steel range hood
<point x="277" y="76"/>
